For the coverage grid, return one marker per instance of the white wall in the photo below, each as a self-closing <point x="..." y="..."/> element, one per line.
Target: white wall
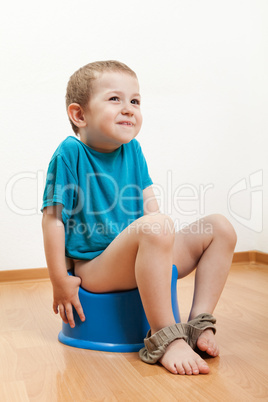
<point x="202" y="66"/>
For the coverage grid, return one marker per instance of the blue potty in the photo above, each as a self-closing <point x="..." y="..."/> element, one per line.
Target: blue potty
<point x="115" y="322"/>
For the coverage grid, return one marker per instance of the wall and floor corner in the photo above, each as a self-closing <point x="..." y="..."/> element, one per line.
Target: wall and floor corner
<point x="202" y="68"/>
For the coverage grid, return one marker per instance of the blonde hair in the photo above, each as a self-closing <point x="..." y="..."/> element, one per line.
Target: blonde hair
<point x="80" y="83"/>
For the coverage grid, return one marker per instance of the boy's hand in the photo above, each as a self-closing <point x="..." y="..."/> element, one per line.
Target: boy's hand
<point x="65" y="297"/>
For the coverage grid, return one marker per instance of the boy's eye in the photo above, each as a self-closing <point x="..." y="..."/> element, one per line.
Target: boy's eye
<point x="135" y="102"/>
<point x="114" y="98"/>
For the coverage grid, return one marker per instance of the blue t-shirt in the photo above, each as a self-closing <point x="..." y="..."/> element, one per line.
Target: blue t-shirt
<point x="101" y="193"/>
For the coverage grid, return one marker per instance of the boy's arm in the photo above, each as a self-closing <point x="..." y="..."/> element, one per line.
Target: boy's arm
<point x="65" y="287"/>
<point x="150" y="204"/>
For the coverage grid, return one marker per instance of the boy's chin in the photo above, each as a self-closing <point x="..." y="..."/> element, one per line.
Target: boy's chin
<point x="126" y="139"/>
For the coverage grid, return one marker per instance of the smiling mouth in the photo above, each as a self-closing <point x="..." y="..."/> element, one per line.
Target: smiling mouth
<point x="126" y="123"/>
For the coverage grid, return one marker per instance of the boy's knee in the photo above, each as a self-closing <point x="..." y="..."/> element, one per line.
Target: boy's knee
<point x="224" y="228"/>
<point x="157" y="229"/>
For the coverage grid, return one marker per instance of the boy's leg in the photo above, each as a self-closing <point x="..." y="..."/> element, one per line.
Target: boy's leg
<point x="208" y="246"/>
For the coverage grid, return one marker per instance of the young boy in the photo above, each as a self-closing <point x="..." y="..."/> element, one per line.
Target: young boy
<point x="100" y="217"/>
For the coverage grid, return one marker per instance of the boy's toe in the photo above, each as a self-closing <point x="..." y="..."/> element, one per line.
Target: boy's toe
<point x="187" y="367"/>
<point x="202" y="344"/>
<point x="202" y="366"/>
<point x="180" y="369"/>
<point x="213" y="351"/>
<point x="195" y="368"/>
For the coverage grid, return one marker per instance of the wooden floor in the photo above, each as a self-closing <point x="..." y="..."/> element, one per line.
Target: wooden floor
<point x="34" y="366"/>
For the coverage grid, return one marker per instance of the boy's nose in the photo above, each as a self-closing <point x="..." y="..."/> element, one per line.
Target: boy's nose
<point x="127" y="110"/>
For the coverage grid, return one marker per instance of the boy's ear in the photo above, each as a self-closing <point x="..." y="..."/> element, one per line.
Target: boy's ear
<point x="76" y="114"/>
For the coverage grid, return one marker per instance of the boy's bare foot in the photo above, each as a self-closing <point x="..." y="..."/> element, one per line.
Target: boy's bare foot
<point x="179" y="358"/>
<point x="207" y="343"/>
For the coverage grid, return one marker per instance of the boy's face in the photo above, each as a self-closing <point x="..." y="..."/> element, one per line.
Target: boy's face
<point x="113" y="115"/>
